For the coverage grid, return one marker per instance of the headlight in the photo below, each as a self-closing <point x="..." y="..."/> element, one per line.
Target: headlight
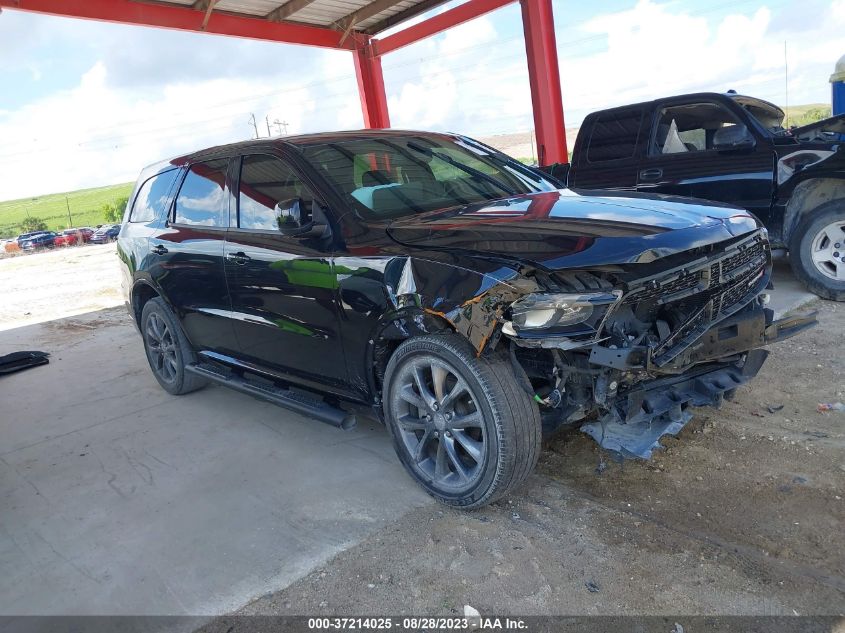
<point x="543" y="311"/>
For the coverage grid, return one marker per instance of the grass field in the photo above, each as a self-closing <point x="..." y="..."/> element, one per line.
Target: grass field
<point x="85" y="208"/>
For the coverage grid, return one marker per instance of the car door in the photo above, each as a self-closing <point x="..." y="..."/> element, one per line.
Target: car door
<point x="687" y="156"/>
<point x="187" y="256"/>
<point x="283" y="286"/>
<point x="608" y="154"/>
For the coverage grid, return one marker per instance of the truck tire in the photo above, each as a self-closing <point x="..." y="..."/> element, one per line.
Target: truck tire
<point x="461" y="425"/>
<point x="817" y="250"/>
<point x="168" y="351"/>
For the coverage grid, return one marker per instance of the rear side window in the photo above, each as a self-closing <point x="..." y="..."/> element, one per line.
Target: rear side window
<point x="151" y="200"/>
<point x="202" y="199"/>
<point x="267" y="181"/>
<point x="614" y="135"/>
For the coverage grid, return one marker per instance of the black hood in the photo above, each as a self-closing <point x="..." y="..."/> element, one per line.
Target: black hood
<point x="566" y="228"/>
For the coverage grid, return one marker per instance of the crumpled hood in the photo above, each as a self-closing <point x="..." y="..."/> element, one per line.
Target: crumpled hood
<point x="566" y="228"/>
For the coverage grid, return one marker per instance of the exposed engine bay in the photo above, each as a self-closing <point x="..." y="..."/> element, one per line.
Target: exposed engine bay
<point x="682" y="331"/>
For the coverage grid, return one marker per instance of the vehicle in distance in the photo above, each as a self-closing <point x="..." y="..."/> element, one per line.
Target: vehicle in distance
<point x="729" y="148"/>
<point x="460" y="294"/>
<point x="73" y="237"/>
<point x="34" y="241"/>
<point x="106" y="233"/>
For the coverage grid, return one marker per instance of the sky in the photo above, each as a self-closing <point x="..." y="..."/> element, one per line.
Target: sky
<point x="86" y="103"/>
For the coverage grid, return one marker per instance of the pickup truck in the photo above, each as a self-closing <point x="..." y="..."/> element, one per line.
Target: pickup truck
<point x="734" y="149"/>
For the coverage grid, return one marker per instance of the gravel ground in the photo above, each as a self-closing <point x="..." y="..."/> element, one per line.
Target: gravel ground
<point x="742" y="514"/>
<point x="58" y="283"/>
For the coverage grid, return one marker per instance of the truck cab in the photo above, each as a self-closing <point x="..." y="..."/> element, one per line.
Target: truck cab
<point x="734" y="149"/>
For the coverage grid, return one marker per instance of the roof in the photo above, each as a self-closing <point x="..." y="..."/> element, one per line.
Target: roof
<point x="364" y="16"/>
<point x="266" y="143"/>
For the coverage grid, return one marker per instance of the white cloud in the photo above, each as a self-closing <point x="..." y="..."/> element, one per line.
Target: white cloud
<point x="137" y="105"/>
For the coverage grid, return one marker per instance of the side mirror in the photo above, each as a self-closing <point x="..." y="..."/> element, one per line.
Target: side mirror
<point x="733" y="138"/>
<point x="294" y="221"/>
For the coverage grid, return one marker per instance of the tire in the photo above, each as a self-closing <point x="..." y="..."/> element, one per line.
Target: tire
<point x="496" y="447"/>
<point x="812" y="250"/>
<point x="167" y="349"/>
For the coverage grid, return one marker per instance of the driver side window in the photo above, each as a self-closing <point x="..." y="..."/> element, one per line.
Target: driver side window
<point x="689" y="127"/>
<point x="268" y="188"/>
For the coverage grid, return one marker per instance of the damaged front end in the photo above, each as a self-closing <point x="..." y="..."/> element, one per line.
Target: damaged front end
<point x="624" y="352"/>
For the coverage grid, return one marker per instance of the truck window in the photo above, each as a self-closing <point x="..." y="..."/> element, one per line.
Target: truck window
<point x="614" y="135"/>
<point x="689" y="128"/>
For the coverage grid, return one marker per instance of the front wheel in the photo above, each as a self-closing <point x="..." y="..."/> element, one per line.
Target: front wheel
<point x="168" y="351"/>
<point x="460" y="424"/>
<point x="817" y="251"/>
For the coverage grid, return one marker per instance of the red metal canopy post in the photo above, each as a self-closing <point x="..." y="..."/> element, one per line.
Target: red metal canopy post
<point x="544" y="79"/>
<point x="371" y="85"/>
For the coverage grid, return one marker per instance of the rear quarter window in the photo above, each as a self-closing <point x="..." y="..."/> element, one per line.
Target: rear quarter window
<point x="151" y="201"/>
<point x="614" y="135"/>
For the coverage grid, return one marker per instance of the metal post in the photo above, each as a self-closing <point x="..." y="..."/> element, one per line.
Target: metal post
<point x="69" y="219"/>
<point x="371" y="86"/>
<point x="544" y="79"/>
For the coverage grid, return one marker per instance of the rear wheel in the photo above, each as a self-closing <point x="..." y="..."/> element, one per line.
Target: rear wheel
<point x="817" y="251"/>
<point x="168" y="351"/>
<point x="461" y="426"/>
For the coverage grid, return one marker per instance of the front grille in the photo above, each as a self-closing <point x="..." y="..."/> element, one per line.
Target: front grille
<point x="706" y="293"/>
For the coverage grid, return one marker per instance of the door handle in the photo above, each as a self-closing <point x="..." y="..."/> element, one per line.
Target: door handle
<point x="651" y="174"/>
<point x="159" y="249"/>
<point x="239" y="258"/>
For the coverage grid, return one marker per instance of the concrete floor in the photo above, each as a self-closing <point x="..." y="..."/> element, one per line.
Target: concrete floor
<point x="117" y="498"/>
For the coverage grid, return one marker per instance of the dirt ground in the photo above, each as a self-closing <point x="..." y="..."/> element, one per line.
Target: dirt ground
<point x="62" y="282"/>
<point x="742" y="514"/>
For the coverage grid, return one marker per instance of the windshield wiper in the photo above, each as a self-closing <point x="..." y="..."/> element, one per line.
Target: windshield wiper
<point x="472" y="171"/>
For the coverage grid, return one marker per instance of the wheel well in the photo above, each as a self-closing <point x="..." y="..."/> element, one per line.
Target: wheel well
<point x="396" y="333"/>
<point x="141" y="293"/>
<point x="807" y="196"/>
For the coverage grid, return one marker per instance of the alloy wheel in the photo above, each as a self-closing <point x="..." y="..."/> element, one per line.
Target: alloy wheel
<point x="828" y="250"/>
<point x="162" y="348"/>
<point x="439" y="423"/>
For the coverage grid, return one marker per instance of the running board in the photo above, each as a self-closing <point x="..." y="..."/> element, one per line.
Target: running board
<point x="286" y="398"/>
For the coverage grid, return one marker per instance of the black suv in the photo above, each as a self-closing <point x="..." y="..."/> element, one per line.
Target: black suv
<point x="730" y="148"/>
<point x="463" y="296"/>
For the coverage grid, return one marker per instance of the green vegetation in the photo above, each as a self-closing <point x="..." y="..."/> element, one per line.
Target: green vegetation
<point x="805" y="114"/>
<point x="32" y="224"/>
<point x="88" y="207"/>
<point x="113" y="211"/>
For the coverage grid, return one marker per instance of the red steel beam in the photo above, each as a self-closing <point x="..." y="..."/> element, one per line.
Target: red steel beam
<point x="371" y="85"/>
<point x="185" y="19"/>
<point x="544" y="79"/>
<point x="446" y="20"/>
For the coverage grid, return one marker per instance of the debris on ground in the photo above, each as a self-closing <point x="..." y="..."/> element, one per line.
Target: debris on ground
<point x="830" y="406"/>
<point x="774" y="408"/>
<point x="16" y="361"/>
<point x="592" y="587"/>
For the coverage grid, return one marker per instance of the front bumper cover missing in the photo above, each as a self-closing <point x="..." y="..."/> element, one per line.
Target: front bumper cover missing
<point x="640" y="417"/>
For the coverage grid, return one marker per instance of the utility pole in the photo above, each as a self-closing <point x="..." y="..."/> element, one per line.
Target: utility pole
<point x="254" y="124"/>
<point x="69" y="219"/>
<point x="267" y="121"/>
<point x="281" y="124"/>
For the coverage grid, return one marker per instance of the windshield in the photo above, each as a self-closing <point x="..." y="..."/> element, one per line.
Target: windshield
<point x="394" y="176"/>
